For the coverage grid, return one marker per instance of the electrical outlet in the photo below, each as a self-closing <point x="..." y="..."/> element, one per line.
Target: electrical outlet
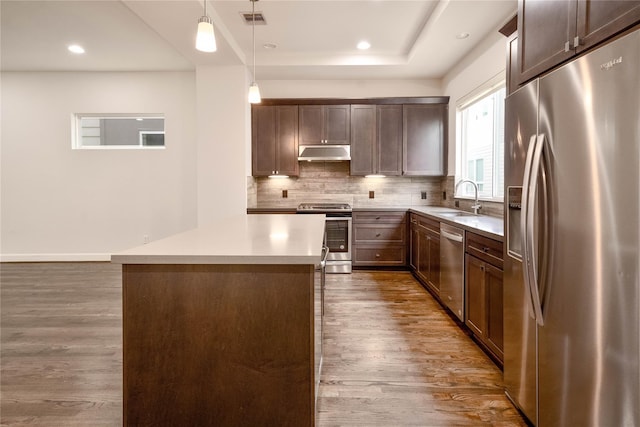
<point x="372" y="194"/>
<point x="145" y="239"/>
<point x="423" y="195"/>
<point x="285" y="194"/>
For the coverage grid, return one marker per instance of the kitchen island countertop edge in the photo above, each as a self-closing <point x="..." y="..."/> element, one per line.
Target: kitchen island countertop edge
<point x="241" y="239"/>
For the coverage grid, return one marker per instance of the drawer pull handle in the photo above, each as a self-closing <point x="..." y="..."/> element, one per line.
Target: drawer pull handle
<point x="377" y="234"/>
<point x="377" y="217"/>
<point x="377" y="255"/>
<point x="486" y="249"/>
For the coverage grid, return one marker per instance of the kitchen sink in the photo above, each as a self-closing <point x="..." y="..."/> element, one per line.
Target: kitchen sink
<point x="455" y="214"/>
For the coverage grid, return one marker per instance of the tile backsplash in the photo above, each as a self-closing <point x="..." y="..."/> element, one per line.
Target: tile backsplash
<point x="331" y="182"/>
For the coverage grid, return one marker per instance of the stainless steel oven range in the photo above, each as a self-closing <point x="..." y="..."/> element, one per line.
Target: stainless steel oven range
<point x="337" y="233"/>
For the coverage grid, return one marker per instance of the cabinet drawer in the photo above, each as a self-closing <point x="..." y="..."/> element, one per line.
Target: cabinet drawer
<point x="486" y="249"/>
<point x="380" y="255"/>
<point x="380" y="217"/>
<point x="379" y="233"/>
<point x="428" y="223"/>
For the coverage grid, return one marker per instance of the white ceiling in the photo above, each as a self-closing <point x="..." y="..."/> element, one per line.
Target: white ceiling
<point x="316" y="39"/>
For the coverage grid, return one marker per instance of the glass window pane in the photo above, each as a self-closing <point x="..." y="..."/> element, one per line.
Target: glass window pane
<point x="482" y="145"/>
<point x="123" y="131"/>
<point x="154" y="139"/>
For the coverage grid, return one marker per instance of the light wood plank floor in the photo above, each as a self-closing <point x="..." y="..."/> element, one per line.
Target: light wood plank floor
<point x="392" y="356"/>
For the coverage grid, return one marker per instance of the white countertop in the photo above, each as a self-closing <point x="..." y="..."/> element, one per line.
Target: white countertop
<point x="492" y="226"/>
<point x="246" y="239"/>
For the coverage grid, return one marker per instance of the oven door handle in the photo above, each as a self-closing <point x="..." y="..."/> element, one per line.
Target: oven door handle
<point x="325" y="254"/>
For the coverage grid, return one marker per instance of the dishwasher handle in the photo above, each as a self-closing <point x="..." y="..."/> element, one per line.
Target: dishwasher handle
<point x="452" y="236"/>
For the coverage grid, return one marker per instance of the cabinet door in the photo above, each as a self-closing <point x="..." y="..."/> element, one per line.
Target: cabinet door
<point x="494" y="330"/>
<point x="414" y="247"/>
<point x="311" y="124"/>
<point x="388" y="139"/>
<point x="263" y="140"/>
<point x="424" y="139"/>
<point x="363" y="127"/>
<point x="600" y="19"/>
<point x="287" y="140"/>
<point x="423" y="256"/>
<point x="544" y="29"/>
<point x="434" y="262"/>
<point x="512" y="64"/>
<point x="337" y="129"/>
<point x="475" y="295"/>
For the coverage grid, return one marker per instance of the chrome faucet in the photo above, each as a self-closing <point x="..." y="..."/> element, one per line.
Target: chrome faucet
<point x="477" y="206"/>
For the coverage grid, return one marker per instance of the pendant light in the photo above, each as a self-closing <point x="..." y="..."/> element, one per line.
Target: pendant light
<point x="206" y="39"/>
<point x="254" y="91"/>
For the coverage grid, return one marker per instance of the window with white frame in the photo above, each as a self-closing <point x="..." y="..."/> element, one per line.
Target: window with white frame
<point x="480" y="142"/>
<point x="96" y="131"/>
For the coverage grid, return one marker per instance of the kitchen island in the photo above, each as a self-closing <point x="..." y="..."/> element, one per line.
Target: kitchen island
<point x="219" y="324"/>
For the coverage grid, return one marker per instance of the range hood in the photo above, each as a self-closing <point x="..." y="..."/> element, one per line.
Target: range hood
<point x="324" y="152"/>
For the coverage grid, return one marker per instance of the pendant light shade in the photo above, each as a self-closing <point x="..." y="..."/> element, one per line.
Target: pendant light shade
<point x="206" y="38"/>
<point x="254" y="91"/>
<point x="254" y="94"/>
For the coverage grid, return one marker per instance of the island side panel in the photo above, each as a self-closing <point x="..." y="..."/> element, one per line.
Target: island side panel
<point x="218" y="345"/>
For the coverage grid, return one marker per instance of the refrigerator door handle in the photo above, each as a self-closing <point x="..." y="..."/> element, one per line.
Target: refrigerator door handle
<point x="523" y="224"/>
<point x="532" y="260"/>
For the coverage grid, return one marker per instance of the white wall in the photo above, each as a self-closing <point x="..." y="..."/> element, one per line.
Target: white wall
<point x="348" y="88"/>
<point x="224" y="148"/>
<point x="486" y="61"/>
<point x="58" y="201"/>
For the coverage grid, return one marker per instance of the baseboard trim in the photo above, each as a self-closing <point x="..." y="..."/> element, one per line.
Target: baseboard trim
<point x="54" y="257"/>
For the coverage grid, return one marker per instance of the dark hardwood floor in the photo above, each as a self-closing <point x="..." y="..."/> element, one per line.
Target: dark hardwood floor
<point x="393" y="357"/>
<point x="61" y="327"/>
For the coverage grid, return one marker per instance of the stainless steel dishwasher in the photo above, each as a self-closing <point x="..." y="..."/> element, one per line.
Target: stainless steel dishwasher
<point x="452" y="269"/>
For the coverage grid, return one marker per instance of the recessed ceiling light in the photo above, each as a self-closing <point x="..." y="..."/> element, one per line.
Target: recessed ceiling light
<point x="364" y="45"/>
<point x="462" y="36"/>
<point x="75" y="48"/>
<point x="269" y="45"/>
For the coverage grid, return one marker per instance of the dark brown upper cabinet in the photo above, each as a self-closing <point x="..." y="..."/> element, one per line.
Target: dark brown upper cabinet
<point x="551" y="32"/>
<point x="376" y="140"/>
<point x="325" y="124"/>
<point x="424" y="139"/>
<point x="512" y="64"/>
<point x="274" y="140"/>
<point x="363" y="136"/>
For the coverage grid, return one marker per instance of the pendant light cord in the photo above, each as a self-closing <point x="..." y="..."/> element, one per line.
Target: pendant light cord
<point x="253" y="22"/>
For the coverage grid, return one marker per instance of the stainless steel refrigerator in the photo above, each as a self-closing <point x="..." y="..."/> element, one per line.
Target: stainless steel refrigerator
<point x="572" y="208"/>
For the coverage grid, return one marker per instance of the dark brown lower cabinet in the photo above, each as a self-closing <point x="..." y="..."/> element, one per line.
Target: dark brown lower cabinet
<point x="219" y="345"/>
<point x="414" y="236"/>
<point x="483" y="301"/>
<point x="425" y="251"/>
<point x="379" y="238"/>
